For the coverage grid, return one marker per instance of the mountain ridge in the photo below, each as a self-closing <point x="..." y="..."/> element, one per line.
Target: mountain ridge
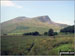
<point x="44" y="18"/>
<point x="19" y="23"/>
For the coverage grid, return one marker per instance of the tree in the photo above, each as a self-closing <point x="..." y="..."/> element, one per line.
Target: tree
<point x="32" y="33"/>
<point x="69" y="29"/>
<point x="51" y="32"/>
<point x="35" y="33"/>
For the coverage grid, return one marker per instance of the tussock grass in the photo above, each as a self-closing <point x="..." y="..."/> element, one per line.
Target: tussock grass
<point x="43" y="45"/>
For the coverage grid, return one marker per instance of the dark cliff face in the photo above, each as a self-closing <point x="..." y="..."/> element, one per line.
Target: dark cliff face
<point x="44" y="19"/>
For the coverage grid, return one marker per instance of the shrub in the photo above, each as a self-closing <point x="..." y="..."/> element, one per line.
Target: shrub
<point x="45" y="33"/>
<point x="5" y="34"/>
<point x="55" y="33"/>
<point x="32" y="33"/>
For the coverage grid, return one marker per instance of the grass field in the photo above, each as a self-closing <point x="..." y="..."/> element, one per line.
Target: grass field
<point x="36" y="45"/>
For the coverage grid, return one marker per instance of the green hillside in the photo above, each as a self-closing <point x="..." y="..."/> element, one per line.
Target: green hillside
<point x="21" y="25"/>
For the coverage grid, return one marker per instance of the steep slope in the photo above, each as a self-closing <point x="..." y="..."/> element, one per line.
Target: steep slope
<point x="24" y="24"/>
<point x="43" y="19"/>
<point x="46" y="19"/>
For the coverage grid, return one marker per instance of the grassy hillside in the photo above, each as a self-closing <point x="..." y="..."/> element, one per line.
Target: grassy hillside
<point x="27" y="26"/>
<point x="37" y="45"/>
<point x="24" y="24"/>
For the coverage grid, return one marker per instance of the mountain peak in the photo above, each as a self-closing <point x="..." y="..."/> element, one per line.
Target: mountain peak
<point x="44" y="18"/>
<point x="20" y="17"/>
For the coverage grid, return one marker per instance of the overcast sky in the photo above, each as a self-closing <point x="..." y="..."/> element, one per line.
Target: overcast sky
<point x="58" y="11"/>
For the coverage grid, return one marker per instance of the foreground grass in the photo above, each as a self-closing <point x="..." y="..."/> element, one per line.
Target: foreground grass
<point x="36" y="45"/>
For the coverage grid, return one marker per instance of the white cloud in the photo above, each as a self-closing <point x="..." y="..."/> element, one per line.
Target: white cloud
<point x="9" y="3"/>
